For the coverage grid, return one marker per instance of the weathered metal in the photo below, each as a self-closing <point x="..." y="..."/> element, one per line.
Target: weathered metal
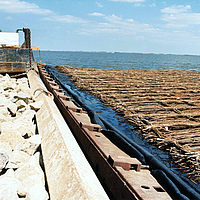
<point x="17" y="59"/>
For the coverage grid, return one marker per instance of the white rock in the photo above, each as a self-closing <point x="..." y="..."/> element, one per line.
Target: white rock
<point x="8" y="186"/>
<point x="20" y="104"/>
<point x="30" y="145"/>
<point x="21" y="110"/>
<point x="11" y="166"/>
<point x="24" y="87"/>
<point x="3" y="101"/>
<point x="6" y="126"/>
<point x="4" y="110"/>
<point x="13" y="99"/>
<point x="22" y="190"/>
<point x="21" y="95"/>
<point x="6" y="94"/>
<point x="12" y="108"/>
<point x="11" y="136"/>
<point x="22" y="80"/>
<point x="8" y="192"/>
<point x="35" y="139"/>
<point x="40" y="194"/>
<point x="1" y="89"/>
<point x="25" y="127"/>
<point x="18" y="158"/>
<point x="29" y="114"/>
<point x="10" y="86"/>
<point x="6" y="146"/>
<point x="32" y="167"/>
<point x="5" y="78"/>
<point x="4" y="158"/>
<point x="36" y="105"/>
<point x="4" y="117"/>
<point x="28" y="183"/>
<point x="9" y="174"/>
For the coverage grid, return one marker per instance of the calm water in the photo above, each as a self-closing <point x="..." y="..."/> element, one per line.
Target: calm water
<point x="125" y="61"/>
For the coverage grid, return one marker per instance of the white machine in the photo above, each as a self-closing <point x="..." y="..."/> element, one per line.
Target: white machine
<point x="9" y="39"/>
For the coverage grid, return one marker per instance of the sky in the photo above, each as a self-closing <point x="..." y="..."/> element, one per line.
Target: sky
<point x="139" y="26"/>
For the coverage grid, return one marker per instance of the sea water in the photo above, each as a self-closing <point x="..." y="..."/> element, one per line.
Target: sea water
<point x="123" y="61"/>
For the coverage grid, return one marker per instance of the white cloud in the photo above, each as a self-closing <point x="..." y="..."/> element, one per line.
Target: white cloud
<point x="180" y="16"/>
<point x="99" y="5"/>
<point x="118" y="25"/>
<point x="130" y="1"/>
<point x="96" y="14"/>
<point x="130" y="20"/>
<point x="176" y="9"/>
<point x="139" y="5"/>
<point x="113" y="18"/>
<point x="16" y="6"/>
<point x="9" y="18"/>
<point x="153" y="5"/>
<point x="64" y="18"/>
<point x="182" y="19"/>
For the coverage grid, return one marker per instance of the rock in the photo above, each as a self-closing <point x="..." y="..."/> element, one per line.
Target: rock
<point x="8" y="191"/>
<point x="4" y="110"/>
<point x="1" y="90"/>
<point x="3" y="101"/>
<point x="24" y="123"/>
<point x="14" y="99"/>
<point x="21" y="110"/>
<point x="24" y="87"/>
<point x="11" y="136"/>
<point x="30" y="145"/>
<point x="8" y="186"/>
<point x="20" y="104"/>
<point x="4" y="158"/>
<point x="7" y="147"/>
<point x="22" y="190"/>
<point x="22" y="80"/>
<point x="4" y="117"/>
<point x="18" y="158"/>
<point x="21" y="95"/>
<point x="32" y="167"/>
<point x="29" y="114"/>
<point x="40" y="194"/>
<point x="6" y="126"/>
<point x="5" y="78"/>
<point x="12" y="108"/>
<point x="10" y="86"/>
<point x="25" y="127"/>
<point x="36" y="105"/>
<point x="28" y="183"/>
<point x="35" y="139"/>
<point x="11" y="166"/>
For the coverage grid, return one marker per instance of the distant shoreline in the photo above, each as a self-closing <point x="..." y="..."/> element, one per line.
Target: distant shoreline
<point x="167" y="54"/>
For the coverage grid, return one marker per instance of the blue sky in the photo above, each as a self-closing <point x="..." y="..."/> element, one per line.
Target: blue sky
<point x="142" y="26"/>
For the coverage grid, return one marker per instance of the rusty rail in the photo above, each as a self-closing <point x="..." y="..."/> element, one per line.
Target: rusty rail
<point x="121" y="175"/>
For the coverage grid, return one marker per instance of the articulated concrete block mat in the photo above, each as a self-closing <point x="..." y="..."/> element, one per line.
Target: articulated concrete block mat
<point x="69" y="175"/>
